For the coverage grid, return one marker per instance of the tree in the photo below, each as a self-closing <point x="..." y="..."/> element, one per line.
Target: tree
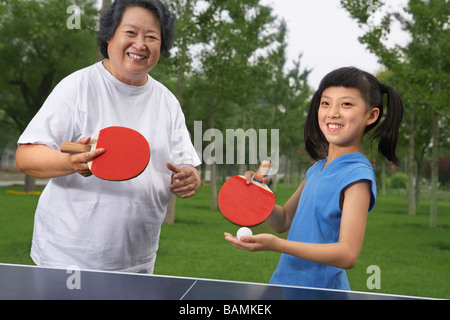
<point x="234" y="35"/>
<point x="41" y="46"/>
<point x="288" y="93"/>
<point x="227" y="70"/>
<point x="421" y="67"/>
<point x="8" y="133"/>
<point x="181" y="63"/>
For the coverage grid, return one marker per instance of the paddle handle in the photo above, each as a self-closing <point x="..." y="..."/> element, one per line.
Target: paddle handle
<point x="262" y="171"/>
<point x="71" y="147"/>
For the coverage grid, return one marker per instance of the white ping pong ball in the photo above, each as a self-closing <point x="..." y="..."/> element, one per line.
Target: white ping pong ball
<point x="244" y="231"/>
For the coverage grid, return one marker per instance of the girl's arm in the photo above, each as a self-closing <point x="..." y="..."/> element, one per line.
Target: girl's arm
<point x="281" y="217"/>
<point x="342" y="254"/>
<point x="40" y="161"/>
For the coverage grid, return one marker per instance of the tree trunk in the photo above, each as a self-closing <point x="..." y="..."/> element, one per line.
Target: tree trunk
<point x="434" y="171"/>
<point x="214" y="205"/>
<point x="30" y="184"/>
<point x="383" y="178"/>
<point x="171" y="206"/>
<point x="412" y="166"/>
<point x="170" y="213"/>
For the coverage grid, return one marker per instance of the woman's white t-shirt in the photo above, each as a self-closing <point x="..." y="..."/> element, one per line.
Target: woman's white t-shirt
<point x="93" y="223"/>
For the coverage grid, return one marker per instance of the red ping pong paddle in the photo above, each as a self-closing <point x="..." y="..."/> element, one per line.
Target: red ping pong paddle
<point x="126" y="155"/>
<point x="247" y="204"/>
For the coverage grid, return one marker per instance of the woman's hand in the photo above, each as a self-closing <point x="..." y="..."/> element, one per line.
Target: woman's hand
<point x="79" y="162"/>
<point x="185" y="181"/>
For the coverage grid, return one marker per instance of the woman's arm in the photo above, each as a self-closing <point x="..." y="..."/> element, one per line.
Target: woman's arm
<point x="342" y="254"/>
<point x="40" y="161"/>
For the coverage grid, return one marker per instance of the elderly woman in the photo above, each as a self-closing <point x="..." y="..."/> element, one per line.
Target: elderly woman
<point x="92" y="223"/>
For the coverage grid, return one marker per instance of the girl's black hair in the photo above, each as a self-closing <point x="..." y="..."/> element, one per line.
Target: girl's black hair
<point x="112" y="17"/>
<point x="372" y="91"/>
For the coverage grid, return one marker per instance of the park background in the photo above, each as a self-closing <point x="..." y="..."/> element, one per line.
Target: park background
<point x="230" y="69"/>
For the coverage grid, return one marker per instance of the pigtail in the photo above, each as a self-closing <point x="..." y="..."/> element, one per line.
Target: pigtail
<point x="387" y="132"/>
<point x="315" y="143"/>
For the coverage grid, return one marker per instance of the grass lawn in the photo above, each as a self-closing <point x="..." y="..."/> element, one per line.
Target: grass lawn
<point x="413" y="258"/>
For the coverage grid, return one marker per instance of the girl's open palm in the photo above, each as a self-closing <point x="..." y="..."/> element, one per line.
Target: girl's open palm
<point x="260" y="242"/>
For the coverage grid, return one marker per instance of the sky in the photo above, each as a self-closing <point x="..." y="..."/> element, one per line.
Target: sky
<point x="327" y="37"/>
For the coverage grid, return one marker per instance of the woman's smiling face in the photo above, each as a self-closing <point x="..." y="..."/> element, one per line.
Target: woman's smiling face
<point x="135" y="48"/>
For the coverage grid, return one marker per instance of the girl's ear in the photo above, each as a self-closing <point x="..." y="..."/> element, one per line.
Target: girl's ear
<point x="373" y="116"/>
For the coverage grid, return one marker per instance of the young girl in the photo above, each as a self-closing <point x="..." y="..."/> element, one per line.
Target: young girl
<point x="326" y="216"/>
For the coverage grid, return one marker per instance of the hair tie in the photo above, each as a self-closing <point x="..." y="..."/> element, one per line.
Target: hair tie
<point x="383" y="88"/>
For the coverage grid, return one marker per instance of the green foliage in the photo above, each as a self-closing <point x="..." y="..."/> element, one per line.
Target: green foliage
<point x="230" y="57"/>
<point x="399" y="180"/>
<point x="420" y="70"/>
<point x="39" y="50"/>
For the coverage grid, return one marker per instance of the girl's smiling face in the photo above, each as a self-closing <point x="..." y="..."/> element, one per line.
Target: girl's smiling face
<point x="135" y="48"/>
<point x="343" y="116"/>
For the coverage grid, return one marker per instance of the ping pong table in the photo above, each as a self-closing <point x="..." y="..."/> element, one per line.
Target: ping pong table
<point x="22" y="282"/>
